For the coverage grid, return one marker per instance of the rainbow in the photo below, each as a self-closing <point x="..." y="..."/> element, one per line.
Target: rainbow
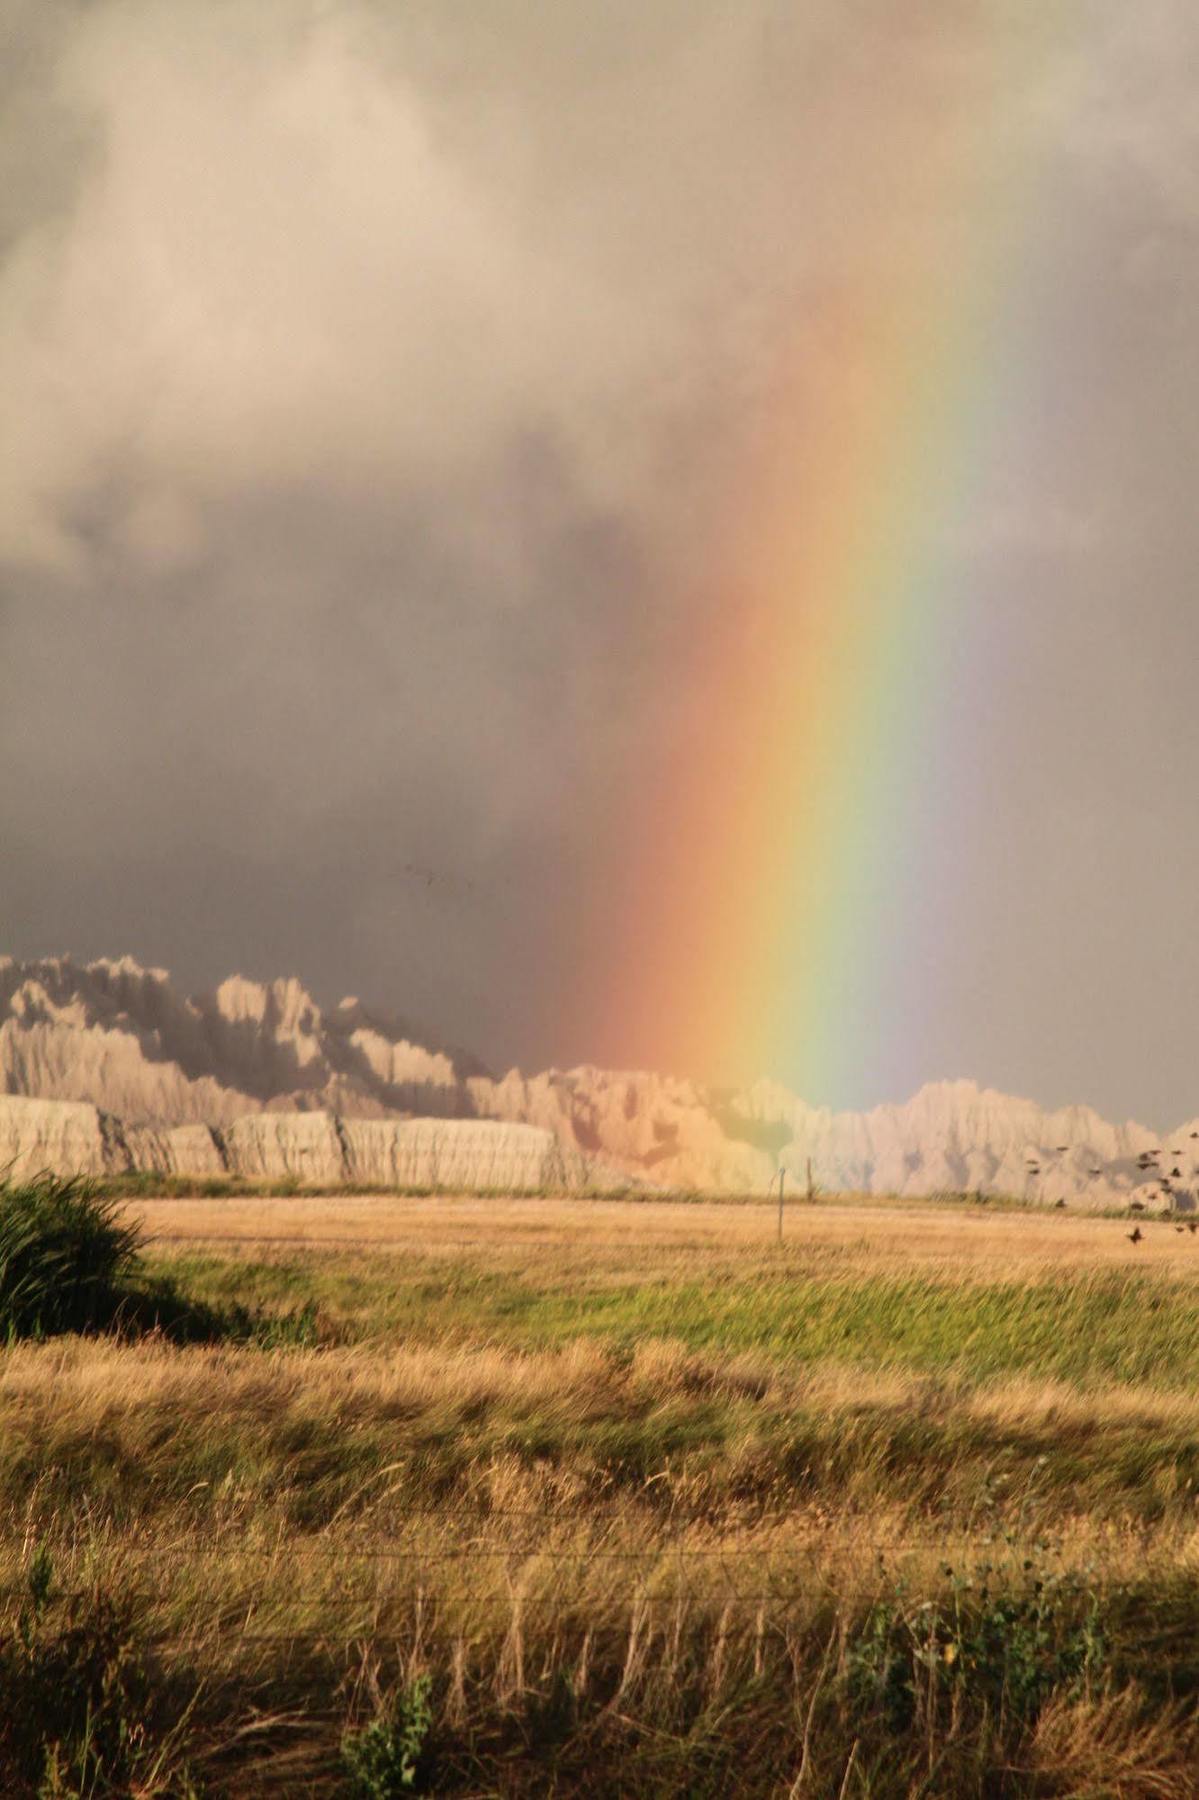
<point x="776" y="872"/>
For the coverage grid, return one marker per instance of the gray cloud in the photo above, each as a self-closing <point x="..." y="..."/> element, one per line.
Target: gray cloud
<point x="378" y="386"/>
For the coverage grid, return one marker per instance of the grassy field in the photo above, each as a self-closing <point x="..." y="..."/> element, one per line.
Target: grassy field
<point x="615" y="1498"/>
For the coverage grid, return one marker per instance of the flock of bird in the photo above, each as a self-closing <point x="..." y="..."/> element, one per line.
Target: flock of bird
<point x="1148" y="1163"/>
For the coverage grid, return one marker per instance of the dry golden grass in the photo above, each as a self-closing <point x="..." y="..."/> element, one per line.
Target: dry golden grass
<point x="951" y="1241"/>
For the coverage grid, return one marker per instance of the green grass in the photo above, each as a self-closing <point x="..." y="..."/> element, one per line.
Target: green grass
<point x="1107" y="1326"/>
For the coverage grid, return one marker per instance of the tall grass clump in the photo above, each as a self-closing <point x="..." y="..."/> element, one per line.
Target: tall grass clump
<point x="87" y="1708"/>
<point x="66" y="1257"/>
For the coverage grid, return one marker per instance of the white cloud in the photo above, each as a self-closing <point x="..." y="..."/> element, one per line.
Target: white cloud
<point x="273" y="274"/>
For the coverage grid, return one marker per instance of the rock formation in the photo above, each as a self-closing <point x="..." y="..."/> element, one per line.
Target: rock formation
<point x="109" y="1068"/>
<point x="121" y="1036"/>
<point x="315" y="1149"/>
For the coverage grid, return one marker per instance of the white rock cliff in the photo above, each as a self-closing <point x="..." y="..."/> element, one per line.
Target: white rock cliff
<point x="107" y="1067"/>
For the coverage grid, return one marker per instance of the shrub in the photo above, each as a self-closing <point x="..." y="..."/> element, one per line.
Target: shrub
<point x="70" y="1262"/>
<point x="65" y="1257"/>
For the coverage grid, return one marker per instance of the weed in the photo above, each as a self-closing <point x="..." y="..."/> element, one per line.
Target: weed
<point x="383" y="1759"/>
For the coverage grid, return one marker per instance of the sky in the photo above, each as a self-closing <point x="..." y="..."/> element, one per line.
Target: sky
<point x="383" y="389"/>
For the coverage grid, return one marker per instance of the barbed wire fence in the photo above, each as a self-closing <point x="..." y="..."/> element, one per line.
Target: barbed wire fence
<point x="784" y="1575"/>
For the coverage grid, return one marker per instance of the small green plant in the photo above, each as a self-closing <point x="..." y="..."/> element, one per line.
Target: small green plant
<point x="40" y="1581"/>
<point x="382" y="1760"/>
<point x="878" y="1668"/>
<point x="65" y="1257"/>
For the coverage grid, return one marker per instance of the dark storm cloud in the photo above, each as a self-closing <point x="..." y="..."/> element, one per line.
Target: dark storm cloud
<point x="375" y="380"/>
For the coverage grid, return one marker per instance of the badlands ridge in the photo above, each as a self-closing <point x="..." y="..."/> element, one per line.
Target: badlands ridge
<point x="106" y="1068"/>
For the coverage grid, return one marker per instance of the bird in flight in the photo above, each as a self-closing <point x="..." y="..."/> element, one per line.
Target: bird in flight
<point x="1135" y="1235"/>
<point x="428" y="877"/>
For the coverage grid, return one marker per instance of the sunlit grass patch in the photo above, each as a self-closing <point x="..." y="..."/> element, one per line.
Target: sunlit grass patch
<point x="1129" y="1326"/>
